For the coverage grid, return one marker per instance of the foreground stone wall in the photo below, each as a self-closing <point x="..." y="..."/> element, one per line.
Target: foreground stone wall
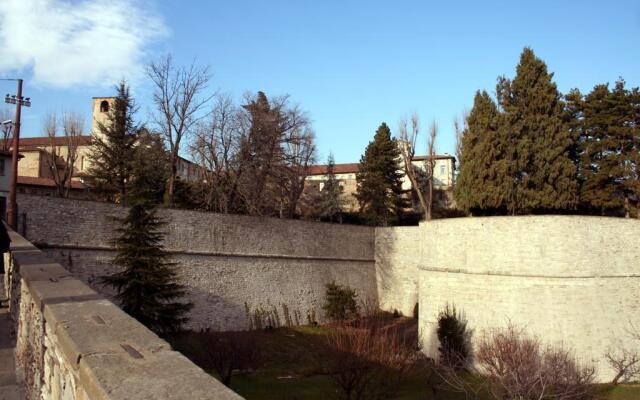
<point x="570" y="280"/>
<point x="227" y="262"/>
<point x="74" y="344"/>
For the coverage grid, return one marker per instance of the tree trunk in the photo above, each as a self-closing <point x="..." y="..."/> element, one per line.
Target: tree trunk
<point x="171" y="182"/>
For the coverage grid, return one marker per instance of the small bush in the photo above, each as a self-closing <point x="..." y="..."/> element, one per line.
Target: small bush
<point x="454" y="337"/>
<point x="416" y="310"/>
<point x="340" y="302"/>
<point x="519" y="367"/>
<point x="368" y="362"/>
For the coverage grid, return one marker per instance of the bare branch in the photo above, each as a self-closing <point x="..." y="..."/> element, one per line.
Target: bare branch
<point x="62" y="151"/>
<point x="179" y="105"/>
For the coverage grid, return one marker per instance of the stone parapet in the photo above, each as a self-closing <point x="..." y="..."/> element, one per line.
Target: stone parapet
<point x="72" y="343"/>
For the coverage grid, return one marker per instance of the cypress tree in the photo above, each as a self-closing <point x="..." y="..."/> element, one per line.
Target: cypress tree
<point x="540" y="168"/>
<point x="610" y="149"/>
<point x="380" y="194"/>
<point x="330" y="203"/>
<point x="112" y="149"/>
<point x="146" y="286"/>
<point x="480" y="186"/>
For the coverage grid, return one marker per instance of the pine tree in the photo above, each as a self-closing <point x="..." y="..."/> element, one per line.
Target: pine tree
<point x="146" y="286"/>
<point x="541" y="171"/>
<point x="113" y="148"/>
<point x="330" y="202"/>
<point x="480" y="186"/>
<point x="380" y="194"/>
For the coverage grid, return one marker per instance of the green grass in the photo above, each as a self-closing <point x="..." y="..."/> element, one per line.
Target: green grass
<point x="290" y="369"/>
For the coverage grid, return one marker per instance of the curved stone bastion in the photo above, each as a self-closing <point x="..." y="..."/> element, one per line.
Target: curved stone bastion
<point x="569" y="280"/>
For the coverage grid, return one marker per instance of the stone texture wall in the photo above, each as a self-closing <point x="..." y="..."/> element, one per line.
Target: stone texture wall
<point x="73" y="344"/>
<point x="567" y="279"/>
<point x="398" y="255"/>
<point x="224" y="260"/>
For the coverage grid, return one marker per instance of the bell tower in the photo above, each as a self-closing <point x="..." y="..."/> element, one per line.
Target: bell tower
<point x="101" y="108"/>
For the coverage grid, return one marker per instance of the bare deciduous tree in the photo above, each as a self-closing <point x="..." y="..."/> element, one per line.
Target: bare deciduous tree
<point x="459" y="127"/>
<point x="254" y="158"/>
<point x="179" y="102"/>
<point x="300" y="152"/>
<point x="408" y="140"/>
<point x="625" y="358"/>
<point x="626" y="364"/>
<point x="276" y="148"/>
<point x="430" y="166"/>
<point x="215" y="149"/>
<point x="62" y="151"/>
<point x="408" y="151"/>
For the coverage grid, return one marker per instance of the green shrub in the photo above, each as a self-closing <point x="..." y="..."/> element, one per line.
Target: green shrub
<point x="340" y="302"/>
<point x="454" y="338"/>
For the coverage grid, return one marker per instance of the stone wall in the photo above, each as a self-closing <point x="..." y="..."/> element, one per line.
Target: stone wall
<point x="398" y="255"/>
<point x="569" y="280"/>
<point x="224" y="260"/>
<point x="72" y="343"/>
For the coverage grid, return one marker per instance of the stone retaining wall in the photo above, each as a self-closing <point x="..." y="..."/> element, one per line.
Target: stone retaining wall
<point x="227" y="262"/>
<point x="72" y="343"/>
<point x="569" y="280"/>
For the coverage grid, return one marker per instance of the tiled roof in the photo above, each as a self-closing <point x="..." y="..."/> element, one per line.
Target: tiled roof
<point x="339" y="169"/>
<point x="34" y="142"/>
<point x="353" y="168"/>
<point x="437" y="157"/>
<point x="33" y="181"/>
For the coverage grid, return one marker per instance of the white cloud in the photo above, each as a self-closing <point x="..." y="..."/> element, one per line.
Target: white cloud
<point x="77" y="42"/>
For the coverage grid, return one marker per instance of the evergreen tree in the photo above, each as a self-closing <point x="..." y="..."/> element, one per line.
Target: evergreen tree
<point x="113" y="148"/>
<point x="610" y="149"/>
<point x="539" y="165"/>
<point x="330" y="202"/>
<point x="149" y="169"/>
<point x="146" y="286"/>
<point x="480" y="186"/>
<point x="380" y="194"/>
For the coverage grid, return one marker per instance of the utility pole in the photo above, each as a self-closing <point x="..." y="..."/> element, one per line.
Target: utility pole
<point x="19" y="101"/>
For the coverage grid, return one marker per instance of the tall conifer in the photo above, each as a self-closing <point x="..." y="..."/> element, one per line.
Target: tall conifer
<point x="113" y="150"/>
<point x="380" y="194"/>
<point x="146" y="286"/>
<point x="540" y="168"/>
<point x="480" y="185"/>
<point x="611" y="149"/>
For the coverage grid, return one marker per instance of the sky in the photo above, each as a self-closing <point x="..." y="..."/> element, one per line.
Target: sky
<point x="350" y="64"/>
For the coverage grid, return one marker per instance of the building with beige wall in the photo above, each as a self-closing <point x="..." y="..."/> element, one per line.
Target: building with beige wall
<point x="345" y="174"/>
<point x="35" y="166"/>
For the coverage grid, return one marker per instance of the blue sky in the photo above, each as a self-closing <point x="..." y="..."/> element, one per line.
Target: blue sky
<point x="350" y="64"/>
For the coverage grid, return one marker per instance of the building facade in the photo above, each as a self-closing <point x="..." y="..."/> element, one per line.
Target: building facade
<point x="443" y="176"/>
<point x="35" y="172"/>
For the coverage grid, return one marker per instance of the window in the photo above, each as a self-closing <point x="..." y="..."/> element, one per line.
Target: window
<point x="2" y="167"/>
<point x="104" y="106"/>
<point x="442" y="167"/>
<point x="82" y="163"/>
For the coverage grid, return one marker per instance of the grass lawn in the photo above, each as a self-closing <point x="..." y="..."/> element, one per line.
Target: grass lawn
<point x="290" y="368"/>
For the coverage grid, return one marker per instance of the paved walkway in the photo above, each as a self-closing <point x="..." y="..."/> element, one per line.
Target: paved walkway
<point x="9" y="388"/>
